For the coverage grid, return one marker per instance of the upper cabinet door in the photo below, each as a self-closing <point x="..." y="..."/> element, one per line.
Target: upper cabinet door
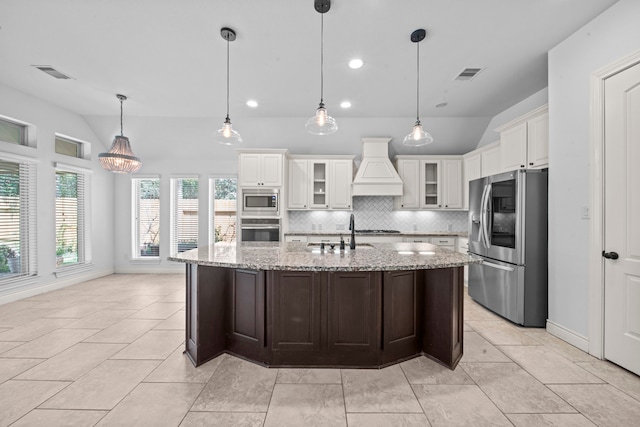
<point x="472" y="169"/>
<point x="452" y="195"/>
<point x="298" y="191"/>
<point x="249" y="171"/>
<point x="341" y="177"/>
<point x="431" y="180"/>
<point x="538" y="141"/>
<point x="409" y="171"/>
<point x="319" y="173"/>
<point x="272" y="170"/>
<point x="513" y="147"/>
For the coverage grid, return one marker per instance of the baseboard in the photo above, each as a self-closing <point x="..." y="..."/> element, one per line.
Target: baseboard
<point x="568" y="335"/>
<point x="151" y="269"/>
<point x="38" y="288"/>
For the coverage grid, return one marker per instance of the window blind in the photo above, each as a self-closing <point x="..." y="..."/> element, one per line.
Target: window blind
<point x="70" y="218"/>
<point x="184" y="214"/>
<point x="18" y="239"/>
<point x="146" y="217"/>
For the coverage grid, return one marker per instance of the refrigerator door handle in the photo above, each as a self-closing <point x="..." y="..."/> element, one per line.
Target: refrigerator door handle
<point x="499" y="267"/>
<point x="485" y="215"/>
<point x="481" y="220"/>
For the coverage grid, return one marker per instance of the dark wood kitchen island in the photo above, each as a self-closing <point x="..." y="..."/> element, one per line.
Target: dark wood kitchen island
<point x="290" y="304"/>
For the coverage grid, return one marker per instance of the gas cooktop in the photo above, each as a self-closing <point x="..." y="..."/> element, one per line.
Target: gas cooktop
<point x="377" y="231"/>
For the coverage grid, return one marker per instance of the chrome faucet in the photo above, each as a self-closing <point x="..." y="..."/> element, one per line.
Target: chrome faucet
<point x="352" y="227"/>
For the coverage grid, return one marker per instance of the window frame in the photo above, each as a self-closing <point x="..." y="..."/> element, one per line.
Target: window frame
<point x="212" y="199"/>
<point x="135" y="218"/>
<point x="173" y="225"/>
<point x="28" y="227"/>
<point x="84" y="218"/>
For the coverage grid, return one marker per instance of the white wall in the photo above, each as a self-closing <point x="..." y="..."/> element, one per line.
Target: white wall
<point x="534" y="101"/>
<point x="50" y="119"/>
<point x="611" y="36"/>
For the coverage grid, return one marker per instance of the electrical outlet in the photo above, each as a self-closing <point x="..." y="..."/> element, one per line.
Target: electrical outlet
<point x="449" y="227"/>
<point x="319" y="227"/>
<point x="340" y="227"/>
<point x="313" y="227"/>
<point x="584" y="212"/>
<point x="415" y="227"/>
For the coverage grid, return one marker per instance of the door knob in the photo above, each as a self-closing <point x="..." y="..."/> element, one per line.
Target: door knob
<point x="610" y="255"/>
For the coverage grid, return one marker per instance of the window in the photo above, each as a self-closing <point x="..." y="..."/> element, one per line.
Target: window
<point x="68" y="147"/>
<point x="146" y="214"/>
<point x="184" y="214"/>
<point x="17" y="219"/>
<point x="223" y="209"/>
<point x="70" y="218"/>
<point x="12" y="132"/>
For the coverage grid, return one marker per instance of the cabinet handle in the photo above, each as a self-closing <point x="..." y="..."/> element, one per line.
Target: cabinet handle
<point x="327" y="205"/>
<point x="521" y="166"/>
<point x="348" y="206"/>
<point x="402" y="206"/>
<point x="446" y="206"/>
<point x="531" y="164"/>
<point x="439" y="206"/>
<point x="305" y="206"/>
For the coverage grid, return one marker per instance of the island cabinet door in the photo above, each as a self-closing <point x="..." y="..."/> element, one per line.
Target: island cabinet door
<point x="402" y="313"/>
<point x="205" y="312"/>
<point x="443" y="315"/>
<point x="354" y="314"/>
<point x="294" y="310"/>
<point x="246" y="336"/>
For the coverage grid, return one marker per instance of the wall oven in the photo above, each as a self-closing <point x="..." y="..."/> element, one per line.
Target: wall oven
<point x="260" y="229"/>
<point x="260" y="202"/>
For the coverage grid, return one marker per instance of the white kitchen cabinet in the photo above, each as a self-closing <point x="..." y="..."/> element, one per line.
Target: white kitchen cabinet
<point x="471" y="169"/>
<point x="416" y="239"/>
<point x="320" y="183"/>
<point x="444" y="242"/>
<point x="409" y="171"/>
<point x="319" y="178"/>
<point x="524" y="142"/>
<point x="377" y="239"/>
<point x="298" y="187"/>
<point x="490" y="160"/>
<point x="431" y="179"/>
<point x="295" y="239"/>
<point x="430" y="182"/>
<point x="341" y="177"/>
<point x="260" y="169"/>
<point x="538" y="141"/>
<point x="452" y="195"/>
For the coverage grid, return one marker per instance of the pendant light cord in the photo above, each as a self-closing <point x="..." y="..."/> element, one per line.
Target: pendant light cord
<point x="418" y="82"/>
<point x="227" y="77"/>
<point x="121" y="131"/>
<point x="321" y="58"/>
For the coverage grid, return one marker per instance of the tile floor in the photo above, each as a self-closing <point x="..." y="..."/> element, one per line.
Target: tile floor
<point x="108" y="352"/>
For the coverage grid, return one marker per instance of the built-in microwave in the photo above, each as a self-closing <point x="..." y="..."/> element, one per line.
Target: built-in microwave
<point x="261" y="202"/>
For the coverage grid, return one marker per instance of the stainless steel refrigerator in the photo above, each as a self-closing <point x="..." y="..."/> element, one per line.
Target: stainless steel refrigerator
<point x="508" y="230"/>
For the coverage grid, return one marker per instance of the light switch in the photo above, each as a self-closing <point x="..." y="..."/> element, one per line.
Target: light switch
<point x="584" y="212"/>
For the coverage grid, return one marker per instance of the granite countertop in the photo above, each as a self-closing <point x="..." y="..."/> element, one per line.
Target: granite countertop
<point x="301" y="257"/>
<point x="401" y="234"/>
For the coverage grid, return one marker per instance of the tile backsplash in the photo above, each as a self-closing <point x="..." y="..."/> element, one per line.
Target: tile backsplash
<point x="376" y="213"/>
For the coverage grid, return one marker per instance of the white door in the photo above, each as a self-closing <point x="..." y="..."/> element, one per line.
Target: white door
<point x="622" y="219"/>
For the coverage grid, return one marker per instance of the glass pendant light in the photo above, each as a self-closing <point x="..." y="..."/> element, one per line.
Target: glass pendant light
<point x="418" y="136"/>
<point x="321" y="123"/>
<point x="226" y="135"/>
<point x="120" y="158"/>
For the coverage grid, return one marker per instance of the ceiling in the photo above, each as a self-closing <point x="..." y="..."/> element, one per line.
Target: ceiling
<point x="168" y="56"/>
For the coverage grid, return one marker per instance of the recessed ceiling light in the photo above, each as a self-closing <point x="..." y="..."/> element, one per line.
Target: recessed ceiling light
<point x="251" y="103"/>
<point x="356" y="63"/>
<point x="345" y="104"/>
<point x="442" y="104"/>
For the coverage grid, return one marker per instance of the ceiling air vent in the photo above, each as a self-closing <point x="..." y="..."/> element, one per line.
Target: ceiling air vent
<point x="52" y="72"/>
<point x="468" y="73"/>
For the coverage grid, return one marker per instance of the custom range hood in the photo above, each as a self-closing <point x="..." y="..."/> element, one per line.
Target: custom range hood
<point x="376" y="175"/>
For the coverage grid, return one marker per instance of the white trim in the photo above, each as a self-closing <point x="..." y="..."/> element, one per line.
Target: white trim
<point x="568" y="335"/>
<point x="596" y="202"/>
<point x="139" y="269"/>
<point x="65" y="167"/>
<point x="17" y="157"/>
<point x="58" y="284"/>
